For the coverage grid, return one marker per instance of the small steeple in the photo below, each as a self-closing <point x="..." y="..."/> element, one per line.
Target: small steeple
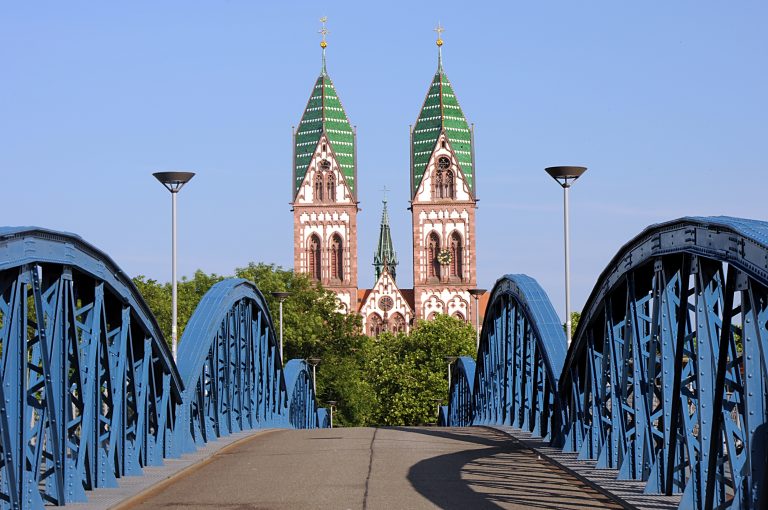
<point x="385" y="256"/>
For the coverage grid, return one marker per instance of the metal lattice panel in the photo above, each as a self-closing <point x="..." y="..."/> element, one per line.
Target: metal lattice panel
<point x="521" y="354"/>
<point x="88" y="389"/>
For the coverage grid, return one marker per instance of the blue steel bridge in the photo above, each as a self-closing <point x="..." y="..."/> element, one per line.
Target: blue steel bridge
<point x="663" y="389"/>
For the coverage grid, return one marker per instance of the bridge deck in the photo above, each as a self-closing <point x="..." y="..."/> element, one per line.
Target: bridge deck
<point x="376" y="468"/>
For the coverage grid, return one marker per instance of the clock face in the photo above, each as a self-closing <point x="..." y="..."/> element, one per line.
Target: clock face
<point x="444" y="257"/>
<point x="443" y="164"/>
<point x="325" y="165"/>
<point x="386" y="303"/>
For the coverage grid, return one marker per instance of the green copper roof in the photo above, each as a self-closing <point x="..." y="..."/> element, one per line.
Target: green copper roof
<point x="324" y="114"/>
<point x="385" y="252"/>
<point x="441" y="112"/>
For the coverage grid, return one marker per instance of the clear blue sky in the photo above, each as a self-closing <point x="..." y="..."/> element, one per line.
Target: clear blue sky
<point x="665" y="102"/>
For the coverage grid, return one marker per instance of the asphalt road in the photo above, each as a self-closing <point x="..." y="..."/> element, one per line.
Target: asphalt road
<point x="382" y="468"/>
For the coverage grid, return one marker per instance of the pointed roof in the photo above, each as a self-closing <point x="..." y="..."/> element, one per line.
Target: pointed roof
<point x="441" y="113"/>
<point x="324" y="115"/>
<point x="385" y="257"/>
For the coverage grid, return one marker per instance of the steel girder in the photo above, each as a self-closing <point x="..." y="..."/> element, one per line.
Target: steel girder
<point x="521" y="354"/>
<point x="460" y="410"/>
<point x="302" y="409"/>
<point x="666" y="377"/>
<point x="88" y="388"/>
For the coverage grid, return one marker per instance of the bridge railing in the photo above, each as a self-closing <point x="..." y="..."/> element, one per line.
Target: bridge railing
<point x="666" y="378"/>
<point x="89" y="391"/>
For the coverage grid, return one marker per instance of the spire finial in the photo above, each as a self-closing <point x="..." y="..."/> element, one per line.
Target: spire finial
<point x="323" y="31"/>
<point x="439" y="29"/>
<point x="384" y="190"/>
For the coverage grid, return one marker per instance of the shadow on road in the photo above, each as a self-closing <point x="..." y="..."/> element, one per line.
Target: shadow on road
<point x="501" y="473"/>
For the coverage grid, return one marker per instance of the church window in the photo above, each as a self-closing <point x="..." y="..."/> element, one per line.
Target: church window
<point x="458" y="315"/>
<point x="331" y="187"/>
<point x="324" y="148"/>
<point x="457" y="256"/>
<point x="442" y="144"/>
<point x="444" y="179"/>
<point x="313" y="257"/>
<point x="433" y="251"/>
<point x="375" y="325"/>
<point x="318" y="187"/>
<point x="337" y="258"/>
<point x="448" y="184"/>
<point x="398" y="323"/>
<point x="432" y="316"/>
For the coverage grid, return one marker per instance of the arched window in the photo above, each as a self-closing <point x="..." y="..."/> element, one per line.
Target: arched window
<point x="398" y="323"/>
<point x="433" y="250"/>
<point x="444" y="178"/>
<point x="331" y="188"/>
<point x="318" y="187"/>
<point x="457" y="254"/>
<point x="313" y="257"/>
<point x="337" y="257"/>
<point x="458" y="315"/>
<point x="432" y="316"/>
<point x="448" y="184"/>
<point x="375" y="325"/>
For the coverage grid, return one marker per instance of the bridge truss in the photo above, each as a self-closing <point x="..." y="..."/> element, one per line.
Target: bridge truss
<point x="88" y="389"/>
<point x="666" y="378"/>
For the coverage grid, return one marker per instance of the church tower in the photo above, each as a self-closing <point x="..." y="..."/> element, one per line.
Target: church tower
<point x="324" y="192"/>
<point x="443" y="203"/>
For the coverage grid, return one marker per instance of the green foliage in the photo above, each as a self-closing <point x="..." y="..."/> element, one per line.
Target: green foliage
<point x="409" y="372"/>
<point x="393" y="380"/>
<point x="575" y="316"/>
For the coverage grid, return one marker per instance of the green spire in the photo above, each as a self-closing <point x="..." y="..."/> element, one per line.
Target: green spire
<point x="324" y="114"/>
<point x="385" y="255"/>
<point x="441" y="113"/>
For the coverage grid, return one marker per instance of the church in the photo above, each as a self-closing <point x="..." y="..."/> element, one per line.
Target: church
<point x="442" y="206"/>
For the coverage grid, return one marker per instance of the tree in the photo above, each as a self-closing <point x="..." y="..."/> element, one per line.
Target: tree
<point x="311" y="328"/>
<point x="408" y="372"/>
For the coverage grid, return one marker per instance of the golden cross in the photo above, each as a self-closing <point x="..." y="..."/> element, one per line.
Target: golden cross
<point x="323" y="31"/>
<point x="439" y="31"/>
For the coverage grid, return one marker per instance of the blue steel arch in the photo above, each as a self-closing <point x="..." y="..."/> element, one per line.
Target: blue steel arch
<point x="302" y="407"/>
<point x="89" y="391"/>
<point x="666" y="378"/>
<point x="229" y="360"/>
<point x="520" y="357"/>
<point x="88" y="387"/>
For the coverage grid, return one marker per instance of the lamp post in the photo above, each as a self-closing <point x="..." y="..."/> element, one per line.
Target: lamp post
<point x="314" y="362"/>
<point x="173" y="182"/>
<point x="438" y="402"/>
<point x="565" y="175"/>
<point x="332" y="403"/>
<point x="281" y="296"/>
<point x="476" y="293"/>
<point x="450" y="360"/>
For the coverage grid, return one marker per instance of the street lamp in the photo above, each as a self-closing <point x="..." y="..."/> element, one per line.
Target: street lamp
<point x="281" y="296"/>
<point x="173" y="182"/>
<point x="331" y="403"/>
<point x="565" y="175"/>
<point x="314" y="362"/>
<point x="476" y="293"/>
<point x="450" y="360"/>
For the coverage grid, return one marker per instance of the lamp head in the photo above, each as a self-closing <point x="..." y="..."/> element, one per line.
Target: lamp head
<point x="174" y="181"/>
<point x="565" y="175"/>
